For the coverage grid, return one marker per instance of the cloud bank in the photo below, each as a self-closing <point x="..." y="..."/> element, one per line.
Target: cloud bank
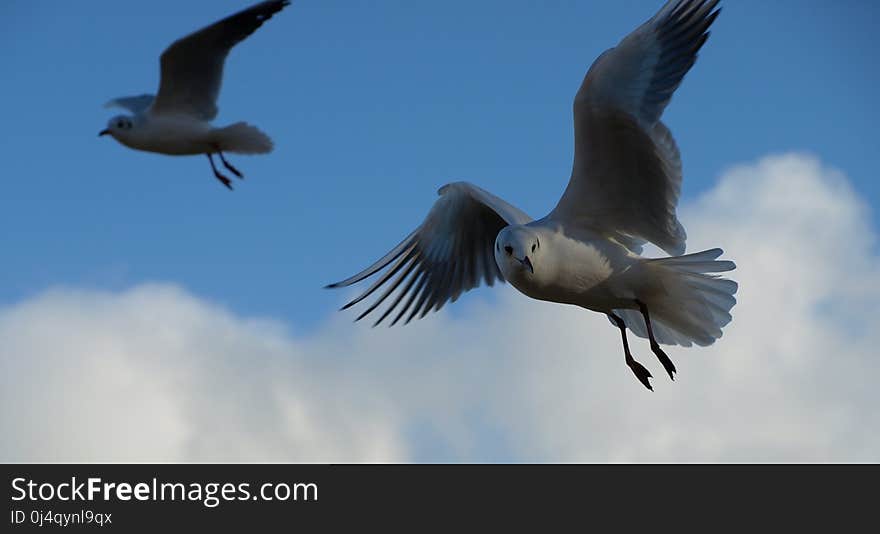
<point x="155" y="373"/>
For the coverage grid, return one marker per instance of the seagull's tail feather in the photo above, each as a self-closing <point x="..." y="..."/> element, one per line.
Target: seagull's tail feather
<point x="242" y="138"/>
<point x="686" y="301"/>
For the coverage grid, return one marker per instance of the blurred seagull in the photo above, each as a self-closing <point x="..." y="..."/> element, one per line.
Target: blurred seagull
<point x="177" y="120"/>
<point x="623" y="191"/>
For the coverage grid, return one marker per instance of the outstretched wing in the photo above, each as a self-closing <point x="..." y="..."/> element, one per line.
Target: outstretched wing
<point x="136" y="104"/>
<point x="626" y="176"/>
<point x="448" y="254"/>
<point x="192" y="67"/>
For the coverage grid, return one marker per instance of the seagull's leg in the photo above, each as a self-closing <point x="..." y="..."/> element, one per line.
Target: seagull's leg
<point x="638" y="369"/>
<point x="224" y="180"/>
<point x="655" y="347"/>
<point x="229" y="166"/>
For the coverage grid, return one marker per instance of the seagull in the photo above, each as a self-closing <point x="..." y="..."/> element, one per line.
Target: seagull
<point x="586" y="252"/>
<point x="177" y="121"/>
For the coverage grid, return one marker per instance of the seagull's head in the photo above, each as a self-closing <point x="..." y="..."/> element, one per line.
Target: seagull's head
<point x="518" y="252"/>
<point x="118" y="127"/>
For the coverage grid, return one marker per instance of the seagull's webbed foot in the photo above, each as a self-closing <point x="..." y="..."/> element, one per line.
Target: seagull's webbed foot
<point x="655" y="347"/>
<point x="664" y="359"/>
<point x="638" y="369"/>
<point x="641" y="373"/>
<point x="223" y="179"/>
<point x="229" y="166"/>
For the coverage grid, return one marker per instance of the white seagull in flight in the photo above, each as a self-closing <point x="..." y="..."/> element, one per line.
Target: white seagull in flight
<point x="623" y="191"/>
<point x="177" y="120"/>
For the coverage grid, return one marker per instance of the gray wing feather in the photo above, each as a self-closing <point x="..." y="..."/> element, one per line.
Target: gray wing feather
<point x="448" y="254"/>
<point x="626" y="177"/>
<point x="640" y="74"/>
<point x="192" y="67"/>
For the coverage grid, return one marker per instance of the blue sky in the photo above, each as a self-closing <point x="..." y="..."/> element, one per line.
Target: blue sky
<point x="372" y="106"/>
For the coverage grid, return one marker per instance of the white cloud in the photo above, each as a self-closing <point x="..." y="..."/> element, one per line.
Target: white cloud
<point x="154" y="373"/>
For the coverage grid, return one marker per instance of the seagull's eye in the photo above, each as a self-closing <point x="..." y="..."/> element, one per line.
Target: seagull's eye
<point x="533" y="247"/>
<point x="120" y="125"/>
<point x="508" y="249"/>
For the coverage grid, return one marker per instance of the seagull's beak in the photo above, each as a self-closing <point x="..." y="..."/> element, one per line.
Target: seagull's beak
<point x="528" y="264"/>
<point x="103" y="132"/>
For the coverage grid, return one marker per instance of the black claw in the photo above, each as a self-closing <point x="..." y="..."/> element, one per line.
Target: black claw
<point x="638" y="369"/>
<point x="229" y="166"/>
<point x="233" y="170"/>
<point x="641" y="373"/>
<point x="655" y="347"/>
<point x="664" y="359"/>
<point x="224" y="180"/>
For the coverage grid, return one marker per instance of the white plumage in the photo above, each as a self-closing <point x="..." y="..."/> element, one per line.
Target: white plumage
<point x="623" y="192"/>
<point x="177" y="120"/>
